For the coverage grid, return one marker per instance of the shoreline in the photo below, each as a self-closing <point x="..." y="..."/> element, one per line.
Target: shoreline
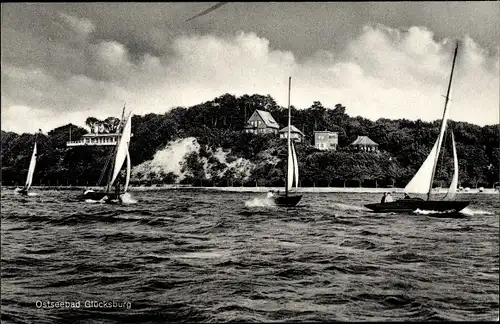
<point x="259" y="189"/>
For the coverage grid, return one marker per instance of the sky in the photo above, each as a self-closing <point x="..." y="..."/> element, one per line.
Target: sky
<point x="64" y="62"/>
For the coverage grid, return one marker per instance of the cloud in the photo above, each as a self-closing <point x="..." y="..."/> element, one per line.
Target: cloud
<point x="383" y="72"/>
<point x="83" y="27"/>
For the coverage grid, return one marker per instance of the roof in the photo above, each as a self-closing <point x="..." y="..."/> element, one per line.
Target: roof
<point x="364" y="140"/>
<point x="325" y="132"/>
<point x="293" y="129"/>
<point x="268" y="119"/>
<point x="101" y="134"/>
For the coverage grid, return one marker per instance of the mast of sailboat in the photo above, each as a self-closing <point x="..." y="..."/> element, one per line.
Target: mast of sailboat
<point x="288" y="140"/>
<point x="443" y="124"/>
<point x="110" y="174"/>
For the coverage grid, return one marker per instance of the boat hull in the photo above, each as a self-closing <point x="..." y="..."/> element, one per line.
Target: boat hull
<point x="287" y="201"/>
<point x="410" y="205"/>
<point x="99" y="195"/>
<point x="23" y="192"/>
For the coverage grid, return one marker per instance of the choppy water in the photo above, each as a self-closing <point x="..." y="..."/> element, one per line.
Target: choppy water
<point x="197" y="257"/>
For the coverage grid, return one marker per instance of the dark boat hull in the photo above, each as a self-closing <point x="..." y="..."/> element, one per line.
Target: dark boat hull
<point x="23" y="192"/>
<point x="287" y="201"/>
<point x="99" y="195"/>
<point x="410" y="205"/>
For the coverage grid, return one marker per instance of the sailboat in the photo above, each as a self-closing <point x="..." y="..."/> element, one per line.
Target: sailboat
<point x="422" y="181"/>
<point x="292" y="177"/>
<point x="119" y="155"/>
<point x="31" y="171"/>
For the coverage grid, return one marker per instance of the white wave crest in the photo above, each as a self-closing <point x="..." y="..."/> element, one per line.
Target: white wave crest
<point x="430" y="212"/>
<point x="128" y="199"/>
<point x="260" y="202"/>
<point x="471" y="212"/>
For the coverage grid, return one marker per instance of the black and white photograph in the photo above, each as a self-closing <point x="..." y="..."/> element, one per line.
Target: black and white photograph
<point x="194" y="162"/>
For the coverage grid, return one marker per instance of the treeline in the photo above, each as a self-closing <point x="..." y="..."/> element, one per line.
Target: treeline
<point x="219" y="123"/>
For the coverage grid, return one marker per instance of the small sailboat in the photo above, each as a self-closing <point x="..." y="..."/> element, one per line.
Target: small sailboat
<point x="119" y="155"/>
<point x="422" y="181"/>
<point x="292" y="177"/>
<point x="31" y="171"/>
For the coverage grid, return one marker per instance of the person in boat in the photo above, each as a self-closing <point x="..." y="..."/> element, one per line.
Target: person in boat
<point x="388" y="198"/>
<point x="117" y="188"/>
<point x="270" y="194"/>
<point x="383" y="198"/>
<point x="407" y="196"/>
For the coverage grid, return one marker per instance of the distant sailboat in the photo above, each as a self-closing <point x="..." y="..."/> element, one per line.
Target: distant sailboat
<point x="292" y="178"/>
<point x="31" y="171"/>
<point x="422" y="181"/>
<point x="120" y="155"/>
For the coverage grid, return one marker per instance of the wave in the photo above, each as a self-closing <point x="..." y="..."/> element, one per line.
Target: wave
<point x="350" y="207"/>
<point x="471" y="212"/>
<point x="466" y="211"/>
<point x="128" y="199"/>
<point x="260" y="202"/>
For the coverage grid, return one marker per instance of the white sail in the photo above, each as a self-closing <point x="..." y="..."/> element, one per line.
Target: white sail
<point x="122" y="149"/>
<point x="290" y="169"/>
<point x="421" y="180"/>
<point x="127" y="179"/>
<point x="295" y="167"/>
<point x="452" y="191"/>
<point x="31" y="169"/>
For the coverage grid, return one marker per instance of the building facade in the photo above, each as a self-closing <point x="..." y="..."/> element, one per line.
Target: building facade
<point x="261" y="122"/>
<point x="364" y="143"/>
<point x="295" y="134"/>
<point x="105" y="139"/>
<point x="326" y="140"/>
<point x="96" y="140"/>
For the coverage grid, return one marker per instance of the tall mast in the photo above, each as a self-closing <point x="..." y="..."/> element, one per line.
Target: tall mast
<point x="443" y="124"/>
<point x="288" y="140"/>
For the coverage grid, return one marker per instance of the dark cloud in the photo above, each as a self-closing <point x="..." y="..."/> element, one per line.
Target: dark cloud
<point x="75" y="57"/>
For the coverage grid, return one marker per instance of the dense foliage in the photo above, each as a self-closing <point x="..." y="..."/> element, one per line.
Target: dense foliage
<point x="403" y="144"/>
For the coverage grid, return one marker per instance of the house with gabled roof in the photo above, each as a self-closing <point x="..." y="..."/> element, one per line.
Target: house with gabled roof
<point x="295" y="133"/>
<point x="261" y="122"/>
<point x="364" y="143"/>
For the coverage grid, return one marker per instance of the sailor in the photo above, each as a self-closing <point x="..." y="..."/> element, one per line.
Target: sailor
<point x="383" y="198"/>
<point x="407" y="196"/>
<point x="117" y="188"/>
<point x="388" y="198"/>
